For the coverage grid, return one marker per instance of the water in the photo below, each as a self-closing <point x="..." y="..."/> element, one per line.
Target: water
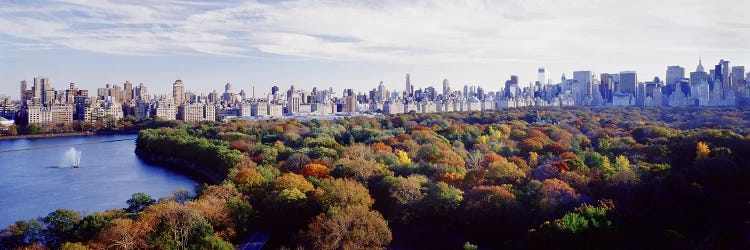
<point x="36" y="182"/>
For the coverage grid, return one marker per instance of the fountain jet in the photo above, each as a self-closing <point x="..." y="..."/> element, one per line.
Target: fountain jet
<point x="74" y="155"/>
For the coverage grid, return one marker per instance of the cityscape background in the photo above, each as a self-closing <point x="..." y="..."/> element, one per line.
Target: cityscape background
<point x="41" y="103"/>
<point x="357" y="43"/>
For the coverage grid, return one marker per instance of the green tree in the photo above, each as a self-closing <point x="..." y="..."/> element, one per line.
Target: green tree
<point x="469" y="246"/>
<point x="22" y="233"/>
<point x="90" y="226"/>
<point x="73" y="246"/>
<point x="441" y="200"/>
<point x="138" y="202"/>
<point x="34" y="129"/>
<point x="60" y="226"/>
<point x="212" y="243"/>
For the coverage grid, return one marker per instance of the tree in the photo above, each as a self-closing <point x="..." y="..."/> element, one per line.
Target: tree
<point x="13" y="130"/>
<point x="249" y="181"/>
<point x="73" y="246"/>
<point x="379" y="146"/>
<point x="34" y="129"/>
<point x="502" y="172"/>
<point x="182" y="195"/>
<point x="342" y="193"/>
<point x="441" y="200"/>
<point x="360" y="169"/>
<point x="292" y="180"/>
<point x="469" y="246"/>
<point x="60" y="226"/>
<point x="90" y="226"/>
<point x="489" y="205"/>
<point x="533" y="159"/>
<point x="213" y="243"/>
<point x="556" y="194"/>
<point x="22" y="233"/>
<point x="354" y="227"/>
<point x="702" y="151"/>
<point x="138" y="202"/>
<point x="295" y="162"/>
<point x="622" y="163"/>
<point x="124" y="234"/>
<point x="175" y="226"/>
<point x="315" y="170"/>
<point x="403" y="158"/>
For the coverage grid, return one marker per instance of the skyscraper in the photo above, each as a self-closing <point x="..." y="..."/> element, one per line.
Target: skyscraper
<point x="606" y="87"/>
<point x="24" y="87"/>
<point x="698" y="78"/>
<point x="542" y="76"/>
<point x="721" y="76"/>
<point x="141" y="92"/>
<point x="584" y="81"/>
<point x="628" y="81"/>
<point x="228" y="95"/>
<point x="446" y="88"/>
<point x="128" y="93"/>
<point x="293" y="100"/>
<point x="512" y="83"/>
<point x="675" y="74"/>
<point x="382" y="94"/>
<point x="178" y="92"/>
<point x="738" y="75"/>
<point x="408" y="85"/>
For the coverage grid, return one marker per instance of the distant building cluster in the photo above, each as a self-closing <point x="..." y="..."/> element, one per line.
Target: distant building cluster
<point x="41" y="103"/>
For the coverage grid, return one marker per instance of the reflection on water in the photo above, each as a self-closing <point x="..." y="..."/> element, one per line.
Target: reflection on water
<point x="36" y="182"/>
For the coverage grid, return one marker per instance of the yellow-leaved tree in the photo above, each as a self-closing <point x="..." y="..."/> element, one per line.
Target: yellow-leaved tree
<point x="702" y="151"/>
<point x="403" y="158"/>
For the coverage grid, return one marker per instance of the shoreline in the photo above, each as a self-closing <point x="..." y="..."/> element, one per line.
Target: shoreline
<point x="57" y="135"/>
<point x="182" y="166"/>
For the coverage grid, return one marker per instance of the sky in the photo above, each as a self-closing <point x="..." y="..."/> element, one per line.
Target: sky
<point x="357" y="44"/>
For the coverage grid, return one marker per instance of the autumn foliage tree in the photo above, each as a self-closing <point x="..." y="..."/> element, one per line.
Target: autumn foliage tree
<point x="353" y="227"/>
<point x="316" y="170"/>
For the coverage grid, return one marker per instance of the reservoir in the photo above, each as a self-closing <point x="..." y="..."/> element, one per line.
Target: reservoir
<point x="37" y="176"/>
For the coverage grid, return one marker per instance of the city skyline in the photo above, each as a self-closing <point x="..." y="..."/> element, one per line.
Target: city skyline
<point x="308" y="44"/>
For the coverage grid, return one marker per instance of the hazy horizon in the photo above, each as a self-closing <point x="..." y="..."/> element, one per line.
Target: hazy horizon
<point x="357" y="44"/>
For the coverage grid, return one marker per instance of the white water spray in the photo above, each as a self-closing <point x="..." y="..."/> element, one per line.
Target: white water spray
<point x="74" y="157"/>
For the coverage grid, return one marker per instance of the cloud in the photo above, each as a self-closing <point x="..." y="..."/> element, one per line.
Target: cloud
<point x="410" y="32"/>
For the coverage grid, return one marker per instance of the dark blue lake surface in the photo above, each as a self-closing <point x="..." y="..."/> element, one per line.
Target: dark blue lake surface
<point x="36" y="182"/>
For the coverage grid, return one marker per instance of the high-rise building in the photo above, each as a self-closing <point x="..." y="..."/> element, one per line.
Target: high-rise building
<point x="675" y="74"/>
<point x="43" y="92"/>
<point x="127" y="93"/>
<point x="628" y="81"/>
<point x="721" y="76"/>
<point x="228" y="95"/>
<point x="510" y="84"/>
<point x="606" y="87"/>
<point x="24" y="88"/>
<point x="585" y="83"/>
<point x="141" y="93"/>
<point x="178" y="92"/>
<point x="446" y="88"/>
<point x="382" y="94"/>
<point x="350" y="101"/>
<point x="542" y="76"/>
<point x="293" y="100"/>
<point x="738" y="75"/>
<point x="698" y="78"/>
<point x="408" y="86"/>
